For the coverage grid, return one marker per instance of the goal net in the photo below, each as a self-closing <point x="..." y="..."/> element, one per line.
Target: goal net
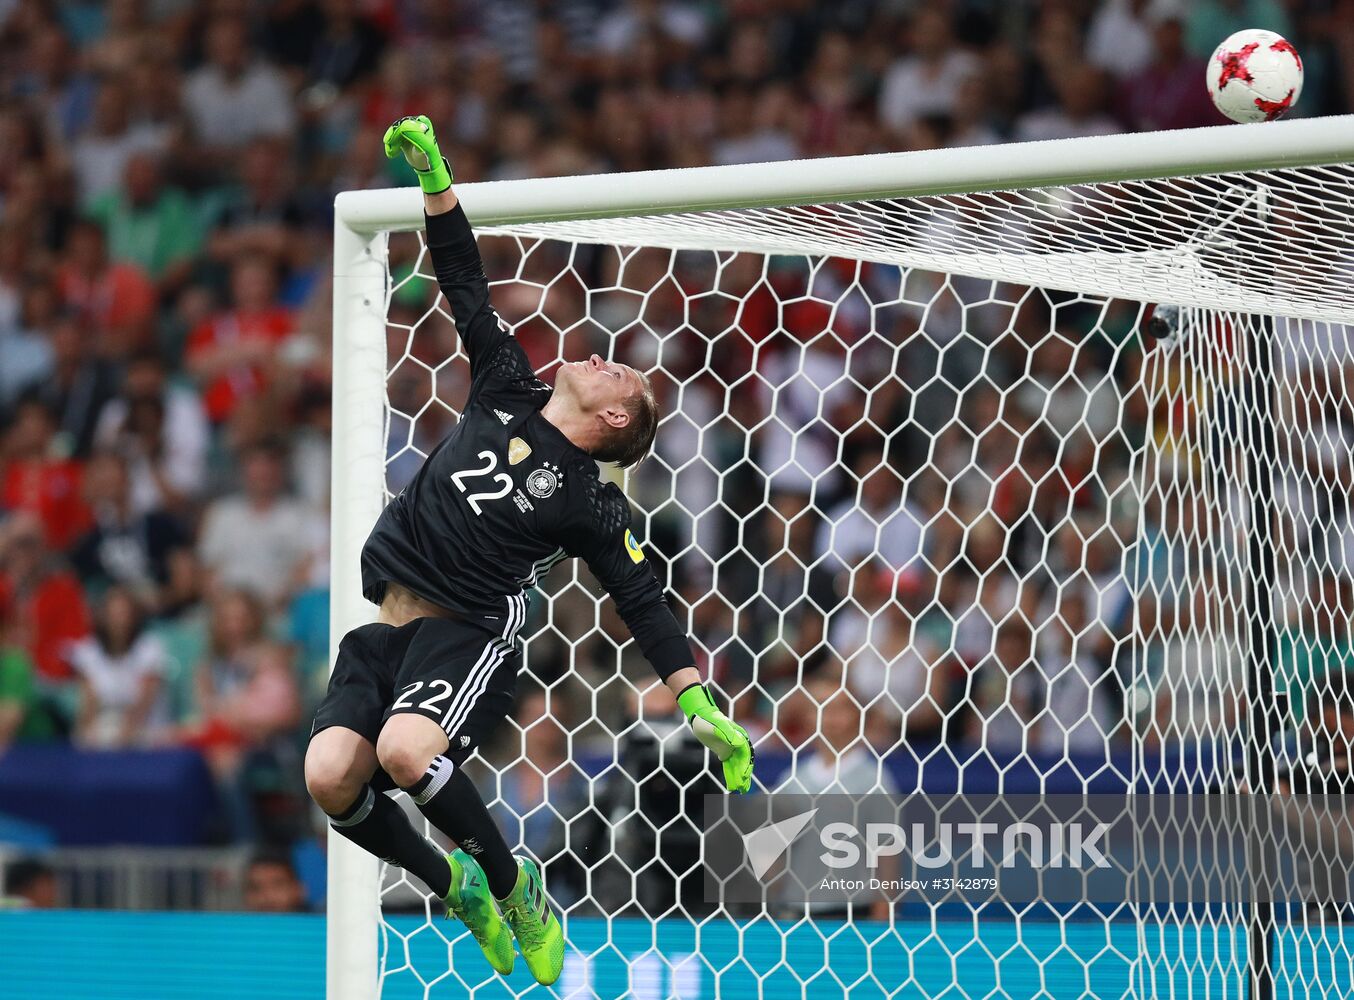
<point x="936" y="510"/>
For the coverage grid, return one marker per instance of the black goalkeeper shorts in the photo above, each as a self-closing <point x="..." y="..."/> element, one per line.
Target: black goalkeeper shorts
<point x="460" y="676"/>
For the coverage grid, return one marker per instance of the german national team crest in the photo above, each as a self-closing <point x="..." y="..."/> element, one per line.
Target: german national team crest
<point x="542" y="482"/>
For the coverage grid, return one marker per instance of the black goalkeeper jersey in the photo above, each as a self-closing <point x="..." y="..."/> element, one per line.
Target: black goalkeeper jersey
<point x="505" y="495"/>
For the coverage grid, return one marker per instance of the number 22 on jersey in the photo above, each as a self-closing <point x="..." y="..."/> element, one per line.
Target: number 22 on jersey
<point x="503" y="480"/>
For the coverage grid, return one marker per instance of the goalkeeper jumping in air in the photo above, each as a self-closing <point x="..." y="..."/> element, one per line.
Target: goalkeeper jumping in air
<point x="512" y="490"/>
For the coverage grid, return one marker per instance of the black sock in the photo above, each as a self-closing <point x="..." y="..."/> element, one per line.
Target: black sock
<point x="377" y="825"/>
<point x="449" y="799"/>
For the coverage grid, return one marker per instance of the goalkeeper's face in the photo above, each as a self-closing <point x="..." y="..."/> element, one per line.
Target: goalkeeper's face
<point x="617" y="399"/>
<point x="602" y="388"/>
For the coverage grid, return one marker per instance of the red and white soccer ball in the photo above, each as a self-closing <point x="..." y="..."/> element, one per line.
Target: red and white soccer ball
<point x="1255" y="76"/>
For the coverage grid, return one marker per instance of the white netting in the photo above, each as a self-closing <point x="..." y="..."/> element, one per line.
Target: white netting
<point x="894" y="464"/>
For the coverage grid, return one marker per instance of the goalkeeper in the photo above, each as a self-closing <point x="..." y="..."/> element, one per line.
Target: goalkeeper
<point x="512" y="490"/>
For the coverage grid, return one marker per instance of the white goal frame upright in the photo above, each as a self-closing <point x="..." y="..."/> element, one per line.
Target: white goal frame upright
<point x="363" y="220"/>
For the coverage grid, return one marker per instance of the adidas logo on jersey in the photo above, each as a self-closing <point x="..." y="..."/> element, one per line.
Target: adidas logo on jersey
<point x="505" y="417"/>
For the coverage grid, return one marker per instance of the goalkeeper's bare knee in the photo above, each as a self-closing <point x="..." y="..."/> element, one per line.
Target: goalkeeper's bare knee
<point x="339" y="763"/>
<point x="407" y="745"/>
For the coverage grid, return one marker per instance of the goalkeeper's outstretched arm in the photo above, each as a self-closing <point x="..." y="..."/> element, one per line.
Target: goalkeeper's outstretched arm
<point x="451" y="242"/>
<point x="604" y="541"/>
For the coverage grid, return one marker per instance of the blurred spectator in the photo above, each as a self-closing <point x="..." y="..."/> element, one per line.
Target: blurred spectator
<point x="1066" y="390"/>
<point x="245" y="691"/>
<point x="1119" y="38"/>
<point x="155" y="79"/>
<point x="514" y="28"/>
<point x="839" y="762"/>
<point x="1088" y="561"/>
<point x="1080" y="108"/>
<point x="1200" y="691"/>
<point x="99" y="157"/>
<point x="233" y="355"/>
<point x="892" y="670"/>
<point x="31" y="883"/>
<point x="728" y="663"/>
<point x="113" y="300"/>
<point x="399" y="89"/>
<point x="786" y="624"/>
<point x="25" y="717"/>
<point x="162" y="431"/>
<point x="271" y="883"/>
<point x="144" y="552"/>
<point x="121" y="670"/>
<point x="261" y="215"/>
<point x="1167" y="93"/>
<point x="24" y="346"/>
<point x="927" y="80"/>
<point x="288" y="31"/>
<point x="310" y="465"/>
<point x="112" y="34"/>
<point x="247" y="704"/>
<point x="56" y="79"/>
<point x="258" y="540"/>
<point x="45" y="603"/>
<point x="149" y="223"/>
<point x="540" y="783"/>
<point x="1080" y="695"/>
<point x="834" y="88"/>
<point x="673" y="22"/>
<point x="982" y="590"/>
<point x="752" y="127"/>
<point x="77" y="388"/>
<point x="349" y="47"/>
<point x="871" y="520"/>
<point x="40" y="477"/>
<point x="840" y="759"/>
<point x="236" y="96"/>
<point x="1318" y="639"/>
<point x="1003" y="693"/>
<point x="971" y="119"/>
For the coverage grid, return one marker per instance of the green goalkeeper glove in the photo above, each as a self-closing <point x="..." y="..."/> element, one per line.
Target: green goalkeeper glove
<point x="414" y="138"/>
<point x="721" y="735"/>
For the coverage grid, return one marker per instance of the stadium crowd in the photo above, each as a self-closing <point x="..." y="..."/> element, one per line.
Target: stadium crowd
<point x="167" y="171"/>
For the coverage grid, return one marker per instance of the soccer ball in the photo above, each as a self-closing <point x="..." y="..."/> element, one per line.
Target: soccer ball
<point x="1254" y="76"/>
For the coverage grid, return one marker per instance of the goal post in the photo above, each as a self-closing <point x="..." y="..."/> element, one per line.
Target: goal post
<point x="358" y="493"/>
<point x="987" y="243"/>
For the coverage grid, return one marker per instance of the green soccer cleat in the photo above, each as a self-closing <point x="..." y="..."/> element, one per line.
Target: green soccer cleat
<point x="527" y="912"/>
<point x="469" y="901"/>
